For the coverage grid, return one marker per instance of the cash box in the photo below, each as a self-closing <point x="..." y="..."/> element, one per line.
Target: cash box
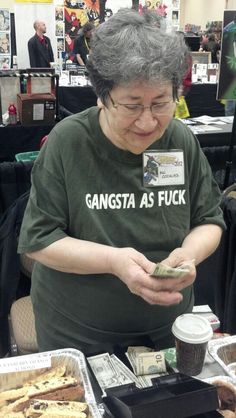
<point x="172" y="396"/>
<point x="36" y="109"/>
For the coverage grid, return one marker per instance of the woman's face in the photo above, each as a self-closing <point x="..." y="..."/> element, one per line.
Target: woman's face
<point x="137" y="133"/>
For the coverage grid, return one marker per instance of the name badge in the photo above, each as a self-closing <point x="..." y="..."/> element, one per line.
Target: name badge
<point x="163" y="168"/>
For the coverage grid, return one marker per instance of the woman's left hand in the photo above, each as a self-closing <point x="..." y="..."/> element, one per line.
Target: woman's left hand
<point x="180" y="258"/>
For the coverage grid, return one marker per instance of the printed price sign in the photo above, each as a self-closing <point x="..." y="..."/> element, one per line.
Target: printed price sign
<point x="28" y="362"/>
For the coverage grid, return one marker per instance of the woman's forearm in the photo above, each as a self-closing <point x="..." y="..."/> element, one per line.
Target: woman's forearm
<point x="202" y="241"/>
<point x="75" y="256"/>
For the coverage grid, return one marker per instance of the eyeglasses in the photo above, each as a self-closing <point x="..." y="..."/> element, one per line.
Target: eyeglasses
<point x="157" y="109"/>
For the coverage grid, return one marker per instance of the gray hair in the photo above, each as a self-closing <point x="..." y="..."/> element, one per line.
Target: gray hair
<point x="129" y="47"/>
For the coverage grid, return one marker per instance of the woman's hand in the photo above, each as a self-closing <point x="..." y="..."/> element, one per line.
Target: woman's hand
<point x="135" y="270"/>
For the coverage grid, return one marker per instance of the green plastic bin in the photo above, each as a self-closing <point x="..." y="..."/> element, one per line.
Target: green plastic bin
<point x="27" y="156"/>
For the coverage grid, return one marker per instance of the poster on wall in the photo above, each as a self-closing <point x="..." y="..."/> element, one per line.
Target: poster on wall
<point x="34" y="1"/>
<point x="60" y="30"/>
<point x="4" y="20"/>
<point x="227" y="78"/>
<point x="168" y="10"/>
<point x="5" y="40"/>
<point x="76" y="14"/>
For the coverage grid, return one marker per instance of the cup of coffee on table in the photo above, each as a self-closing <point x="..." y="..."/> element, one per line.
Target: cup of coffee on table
<point x="192" y="333"/>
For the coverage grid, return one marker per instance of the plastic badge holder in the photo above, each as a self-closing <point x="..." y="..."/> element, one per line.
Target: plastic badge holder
<point x="172" y="396"/>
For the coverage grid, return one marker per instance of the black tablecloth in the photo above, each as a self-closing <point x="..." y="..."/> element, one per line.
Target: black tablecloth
<point x="76" y="99"/>
<point x="201" y="100"/>
<point x="217" y="138"/>
<point x="17" y="138"/>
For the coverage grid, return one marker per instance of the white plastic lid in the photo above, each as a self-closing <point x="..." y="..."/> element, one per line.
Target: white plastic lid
<point x="192" y="328"/>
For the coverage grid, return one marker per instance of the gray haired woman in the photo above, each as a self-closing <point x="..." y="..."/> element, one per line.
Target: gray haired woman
<point x="127" y="186"/>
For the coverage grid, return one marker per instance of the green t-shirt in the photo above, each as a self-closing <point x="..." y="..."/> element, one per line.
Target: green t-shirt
<point x="85" y="187"/>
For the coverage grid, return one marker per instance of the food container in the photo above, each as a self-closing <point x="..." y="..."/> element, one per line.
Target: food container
<point x="223" y="350"/>
<point x="16" y="371"/>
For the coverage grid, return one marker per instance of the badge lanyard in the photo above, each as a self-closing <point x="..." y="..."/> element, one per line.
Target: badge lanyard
<point x="86" y="44"/>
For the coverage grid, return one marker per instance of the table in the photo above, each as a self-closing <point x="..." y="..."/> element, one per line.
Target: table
<point x="201" y="100"/>
<point x="18" y="138"/>
<point x="216" y="138"/>
<point x="76" y="99"/>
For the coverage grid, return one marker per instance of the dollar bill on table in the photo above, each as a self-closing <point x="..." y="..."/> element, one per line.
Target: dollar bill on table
<point x="140" y="381"/>
<point x="146" y="361"/>
<point x="111" y="372"/>
<point x="162" y="270"/>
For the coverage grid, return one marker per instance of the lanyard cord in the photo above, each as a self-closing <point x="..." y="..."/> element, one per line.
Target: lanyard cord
<point x="86" y="44"/>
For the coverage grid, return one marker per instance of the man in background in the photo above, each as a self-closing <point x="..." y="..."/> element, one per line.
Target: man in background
<point x="82" y="44"/>
<point x="39" y="47"/>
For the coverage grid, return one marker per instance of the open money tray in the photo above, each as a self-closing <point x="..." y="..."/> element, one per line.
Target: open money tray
<point x="223" y="350"/>
<point x="172" y="396"/>
<point x="16" y="371"/>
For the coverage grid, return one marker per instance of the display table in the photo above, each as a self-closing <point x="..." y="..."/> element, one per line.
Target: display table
<point x="201" y="100"/>
<point x="76" y="99"/>
<point x="216" y="138"/>
<point x="18" y="138"/>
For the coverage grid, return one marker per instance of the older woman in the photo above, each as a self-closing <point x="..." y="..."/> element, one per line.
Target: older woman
<point x="96" y="224"/>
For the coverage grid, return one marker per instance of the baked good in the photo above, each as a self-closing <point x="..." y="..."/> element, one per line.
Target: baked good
<point x="227" y="414"/>
<point x="17" y="406"/>
<point x="12" y="415"/>
<point x="71" y="393"/>
<point x="56" y="392"/>
<point x="66" y="414"/>
<point x="50" y="378"/>
<point x="13" y="394"/>
<point x="58" y="371"/>
<point x="227" y="395"/>
<point x="44" y="386"/>
<point x="40" y="408"/>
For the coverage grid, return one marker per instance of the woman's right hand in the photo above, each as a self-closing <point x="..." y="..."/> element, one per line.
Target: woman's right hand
<point x="135" y="270"/>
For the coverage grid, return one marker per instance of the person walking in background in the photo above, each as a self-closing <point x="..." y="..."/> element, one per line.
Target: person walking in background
<point x="39" y="47"/>
<point x="82" y="44"/>
<point x="212" y="46"/>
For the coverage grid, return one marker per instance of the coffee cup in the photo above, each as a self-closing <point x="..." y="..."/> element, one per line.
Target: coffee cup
<point x="192" y="333"/>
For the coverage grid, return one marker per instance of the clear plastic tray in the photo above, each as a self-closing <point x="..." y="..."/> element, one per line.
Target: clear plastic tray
<point x="223" y="350"/>
<point x="72" y="359"/>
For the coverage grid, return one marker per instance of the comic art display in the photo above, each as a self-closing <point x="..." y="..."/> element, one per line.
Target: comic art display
<point x="227" y="78"/>
<point x="5" y="39"/>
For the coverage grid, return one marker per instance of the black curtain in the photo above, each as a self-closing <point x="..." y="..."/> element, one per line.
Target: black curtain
<point x="13" y="37"/>
<point x="102" y="4"/>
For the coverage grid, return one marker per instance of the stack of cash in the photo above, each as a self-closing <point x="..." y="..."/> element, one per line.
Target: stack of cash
<point x="161" y="270"/>
<point x="146" y="363"/>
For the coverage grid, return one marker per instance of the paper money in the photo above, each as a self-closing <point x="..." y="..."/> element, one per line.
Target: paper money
<point x="126" y="376"/>
<point x="104" y="370"/>
<point x="145" y="361"/>
<point x="110" y="371"/>
<point x="162" y="270"/>
<point x="150" y="363"/>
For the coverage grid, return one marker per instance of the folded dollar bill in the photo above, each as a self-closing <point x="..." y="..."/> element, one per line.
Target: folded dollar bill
<point x="161" y="270"/>
<point x="146" y="361"/>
